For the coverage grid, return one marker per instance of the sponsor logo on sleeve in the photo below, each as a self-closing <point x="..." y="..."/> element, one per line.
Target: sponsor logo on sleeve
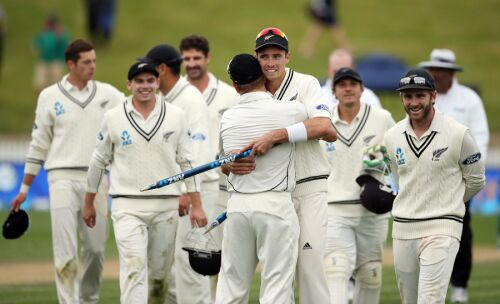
<point x="474" y="158"/>
<point x="35" y="126"/>
<point x="323" y="107"/>
<point x="100" y="136"/>
<point x="198" y="137"/>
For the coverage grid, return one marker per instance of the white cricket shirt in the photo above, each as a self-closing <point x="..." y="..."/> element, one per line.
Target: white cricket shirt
<point x="435" y="174"/>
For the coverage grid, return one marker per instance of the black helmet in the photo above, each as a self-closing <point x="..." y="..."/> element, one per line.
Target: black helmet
<point x="16" y="224"/>
<point x="375" y="196"/>
<point x="205" y="262"/>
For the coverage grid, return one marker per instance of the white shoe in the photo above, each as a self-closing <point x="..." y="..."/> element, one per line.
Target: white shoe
<point x="350" y="290"/>
<point x="459" y="295"/>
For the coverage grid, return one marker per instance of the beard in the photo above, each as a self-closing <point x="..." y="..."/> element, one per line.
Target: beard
<point x="424" y="113"/>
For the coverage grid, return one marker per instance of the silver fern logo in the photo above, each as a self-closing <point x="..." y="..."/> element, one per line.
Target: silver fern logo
<point x="436" y="154"/>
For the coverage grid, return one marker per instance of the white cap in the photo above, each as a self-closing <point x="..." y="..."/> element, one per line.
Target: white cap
<point x="441" y="58"/>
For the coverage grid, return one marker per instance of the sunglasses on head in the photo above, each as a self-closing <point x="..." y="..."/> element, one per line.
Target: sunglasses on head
<point x="271" y="30"/>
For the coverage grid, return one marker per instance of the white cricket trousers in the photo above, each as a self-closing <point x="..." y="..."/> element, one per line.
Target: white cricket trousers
<point x="251" y="237"/>
<point x="423" y="268"/>
<point x="186" y="286"/>
<point x="355" y="245"/>
<point x="312" y="213"/>
<point x="145" y="242"/>
<point x="66" y="203"/>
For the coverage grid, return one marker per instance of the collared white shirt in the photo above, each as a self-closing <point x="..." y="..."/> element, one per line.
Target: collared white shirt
<point x="148" y="123"/>
<point x="368" y="96"/>
<point x="80" y="95"/>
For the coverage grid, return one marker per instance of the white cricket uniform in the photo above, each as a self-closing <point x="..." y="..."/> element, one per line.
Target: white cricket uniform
<point x="261" y="224"/>
<point x="436" y="174"/>
<point x="353" y="231"/>
<point x="64" y="133"/>
<point x="309" y="196"/>
<point x="185" y="286"/>
<point x="219" y="96"/>
<point x="465" y="106"/>
<point x="141" y="151"/>
<point x="368" y="96"/>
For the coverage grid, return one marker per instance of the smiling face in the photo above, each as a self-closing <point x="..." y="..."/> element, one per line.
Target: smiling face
<point x="348" y="92"/>
<point x="143" y="87"/>
<point x="419" y="104"/>
<point x="196" y="63"/>
<point x="273" y="61"/>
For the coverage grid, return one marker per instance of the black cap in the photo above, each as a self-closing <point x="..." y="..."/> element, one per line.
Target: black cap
<point x="16" y="224"/>
<point x="141" y="67"/>
<point x="271" y="36"/>
<point x="346" y="73"/>
<point x="244" y="69"/>
<point x="375" y="196"/>
<point x="162" y="53"/>
<point x="416" y="79"/>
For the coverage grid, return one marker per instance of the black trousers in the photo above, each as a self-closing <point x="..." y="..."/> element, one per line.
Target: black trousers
<point x="463" y="262"/>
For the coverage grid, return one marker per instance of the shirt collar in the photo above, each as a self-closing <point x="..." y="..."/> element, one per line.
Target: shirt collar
<point x="129" y="107"/>
<point x="179" y="85"/>
<point x="68" y="86"/>
<point x="254" y="96"/>
<point x="436" y="124"/>
<point x="336" y="117"/>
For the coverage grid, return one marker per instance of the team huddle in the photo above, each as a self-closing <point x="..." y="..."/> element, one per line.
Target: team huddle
<point x="310" y="205"/>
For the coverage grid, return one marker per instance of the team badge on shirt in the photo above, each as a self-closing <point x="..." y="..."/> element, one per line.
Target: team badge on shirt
<point x="436" y="154"/>
<point x="59" y="108"/>
<point x="126" y="140"/>
<point x="167" y="135"/>
<point x="104" y="104"/>
<point x="368" y="138"/>
<point x="400" y="157"/>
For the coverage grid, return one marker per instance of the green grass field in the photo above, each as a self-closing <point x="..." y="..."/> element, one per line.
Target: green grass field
<point x="36" y="246"/>
<point x="406" y="29"/>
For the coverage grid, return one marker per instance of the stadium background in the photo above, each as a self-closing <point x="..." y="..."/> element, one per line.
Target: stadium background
<point x="405" y="29"/>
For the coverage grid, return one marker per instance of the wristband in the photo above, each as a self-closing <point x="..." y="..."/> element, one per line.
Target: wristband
<point x="297" y="132"/>
<point x="24" y="188"/>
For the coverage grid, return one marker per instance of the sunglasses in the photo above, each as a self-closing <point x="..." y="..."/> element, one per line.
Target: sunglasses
<point x="271" y="30"/>
<point x="416" y="80"/>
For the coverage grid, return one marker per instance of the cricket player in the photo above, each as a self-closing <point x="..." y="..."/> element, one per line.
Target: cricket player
<point x="465" y="106"/>
<point x="219" y="96"/>
<point x="261" y="224"/>
<point x="341" y="58"/>
<point x="67" y="120"/>
<point x="438" y="166"/>
<point x="353" y="231"/>
<point x="309" y="196"/>
<point x="145" y="139"/>
<point x="185" y="285"/>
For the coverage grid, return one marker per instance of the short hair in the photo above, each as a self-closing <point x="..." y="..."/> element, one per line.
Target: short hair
<point x="196" y="42"/>
<point x="76" y="47"/>
<point x="249" y="87"/>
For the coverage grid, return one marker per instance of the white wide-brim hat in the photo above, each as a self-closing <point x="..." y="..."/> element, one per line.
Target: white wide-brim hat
<point x="441" y="58"/>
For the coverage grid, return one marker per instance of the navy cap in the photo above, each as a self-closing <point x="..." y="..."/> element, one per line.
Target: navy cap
<point x="162" y="53"/>
<point x="416" y="79"/>
<point x="16" y="224"/>
<point x="244" y="69"/>
<point x="271" y="36"/>
<point x="141" y="67"/>
<point x="346" y="73"/>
